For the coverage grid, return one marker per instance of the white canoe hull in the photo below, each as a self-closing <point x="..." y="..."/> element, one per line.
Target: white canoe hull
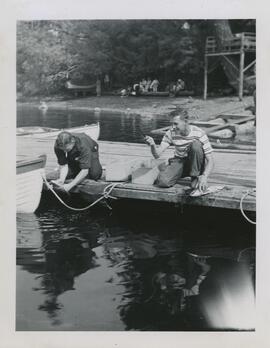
<point x="92" y="130"/>
<point x="29" y="184"/>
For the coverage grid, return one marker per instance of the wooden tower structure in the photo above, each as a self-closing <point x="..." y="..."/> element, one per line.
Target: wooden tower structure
<point x="237" y="46"/>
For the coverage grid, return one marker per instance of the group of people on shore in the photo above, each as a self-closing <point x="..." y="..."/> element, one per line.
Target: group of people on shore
<point x="178" y="86"/>
<point x="145" y="85"/>
<point x="148" y="85"/>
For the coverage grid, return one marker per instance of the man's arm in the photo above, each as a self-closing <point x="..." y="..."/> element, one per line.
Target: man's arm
<point x="63" y="173"/>
<point x="63" y="165"/>
<point x="78" y="178"/>
<point x="209" y="165"/>
<point x="62" y="176"/>
<point x="156" y="151"/>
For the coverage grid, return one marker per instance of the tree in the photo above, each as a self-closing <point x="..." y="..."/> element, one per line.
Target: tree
<point x="128" y="50"/>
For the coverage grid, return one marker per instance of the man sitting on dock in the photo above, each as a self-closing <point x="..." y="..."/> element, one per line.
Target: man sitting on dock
<point x="192" y="158"/>
<point x="78" y="157"/>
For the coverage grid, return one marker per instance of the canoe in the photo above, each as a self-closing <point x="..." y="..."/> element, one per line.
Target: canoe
<point x="154" y="94"/>
<point x="29" y="183"/>
<point x="92" y="130"/>
<point x="72" y="86"/>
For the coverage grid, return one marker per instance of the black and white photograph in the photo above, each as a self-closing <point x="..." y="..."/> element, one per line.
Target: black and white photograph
<point x="135" y="175"/>
<point x="134" y="144"/>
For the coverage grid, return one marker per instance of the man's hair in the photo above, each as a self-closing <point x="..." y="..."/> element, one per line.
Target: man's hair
<point x="64" y="138"/>
<point x="182" y="115"/>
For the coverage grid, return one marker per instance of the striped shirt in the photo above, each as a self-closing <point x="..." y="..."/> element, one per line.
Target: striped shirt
<point x="182" y="142"/>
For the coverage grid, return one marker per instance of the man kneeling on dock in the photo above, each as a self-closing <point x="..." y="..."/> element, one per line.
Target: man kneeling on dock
<point x="78" y="157"/>
<point x="192" y="158"/>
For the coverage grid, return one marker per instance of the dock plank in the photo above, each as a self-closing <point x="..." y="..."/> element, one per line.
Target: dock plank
<point x="229" y="197"/>
<point x="234" y="169"/>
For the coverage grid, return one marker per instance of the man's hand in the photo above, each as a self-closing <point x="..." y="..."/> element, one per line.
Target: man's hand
<point x="61" y="186"/>
<point x="149" y="140"/>
<point x="67" y="187"/>
<point x="202" y="182"/>
<point x="57" y="182"/>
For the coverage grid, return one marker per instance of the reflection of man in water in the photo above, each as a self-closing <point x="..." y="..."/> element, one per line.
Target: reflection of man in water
<point x="66" y="258"/>
<point x="78" y="157"/>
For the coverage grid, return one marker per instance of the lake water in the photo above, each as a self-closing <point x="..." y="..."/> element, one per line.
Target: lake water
<point x="114" y="126"/>
<point x="127" y="269"/>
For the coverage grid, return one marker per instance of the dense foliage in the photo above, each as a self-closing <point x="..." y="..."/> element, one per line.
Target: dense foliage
<point x="48" y="52"/>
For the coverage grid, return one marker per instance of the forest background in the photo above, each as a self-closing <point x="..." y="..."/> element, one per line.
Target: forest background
<point x="50" y="52"/>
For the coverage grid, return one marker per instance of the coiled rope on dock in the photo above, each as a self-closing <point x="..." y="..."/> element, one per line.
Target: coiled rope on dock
<point x="249" y="192"/>
<point x="105" y="195"/>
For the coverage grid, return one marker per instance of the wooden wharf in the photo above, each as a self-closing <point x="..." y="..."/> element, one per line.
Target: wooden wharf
<point x="235" y="169"/>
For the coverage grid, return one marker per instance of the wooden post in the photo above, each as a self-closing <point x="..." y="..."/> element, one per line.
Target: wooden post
<point x="241" y="68"/>
<point x="205" y="77"/>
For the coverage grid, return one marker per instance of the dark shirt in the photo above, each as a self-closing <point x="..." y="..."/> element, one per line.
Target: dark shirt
<point x="84" y="155"/>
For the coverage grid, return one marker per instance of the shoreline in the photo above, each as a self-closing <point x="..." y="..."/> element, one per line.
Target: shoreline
<point x="200" y="109"/>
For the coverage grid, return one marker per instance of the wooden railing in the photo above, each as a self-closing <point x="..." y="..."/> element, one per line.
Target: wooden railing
<point x="246" y="41"/>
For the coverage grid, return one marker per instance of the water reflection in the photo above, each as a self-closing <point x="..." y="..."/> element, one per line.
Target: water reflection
<point x="66" y="258"/>
<point x="121" y="126"/>
<point x="96" y="272"/>
<point x="47" y="247"/>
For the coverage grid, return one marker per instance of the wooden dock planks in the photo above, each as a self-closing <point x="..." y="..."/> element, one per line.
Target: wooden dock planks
<point x="234" y="169"/>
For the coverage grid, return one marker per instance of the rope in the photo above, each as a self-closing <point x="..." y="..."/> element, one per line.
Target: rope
<point x="105" y="195"/>
<point x="241" y="205"/>
<point x="243" y="250"/>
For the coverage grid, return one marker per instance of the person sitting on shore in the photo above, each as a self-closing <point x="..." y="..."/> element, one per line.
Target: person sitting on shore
<point x="177" y="87"/>
<point x="180" y="84"/>
<point x="124" y="92"/>
<point x="154" y="85"/>
<point x="148" y="84"/>
<point x="78" y="158"/>
<point x="136" y="89"/>
<point x="143" y="84"/>
<point x="192" y="158"/>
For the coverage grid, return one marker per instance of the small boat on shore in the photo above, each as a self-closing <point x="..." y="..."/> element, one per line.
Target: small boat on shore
<point x="92" y="130"/>
<point x="29" y="183"/>
<point x="154" y="94"/>
<point x="76" y="89"/>
<point x="72" y="86"/>
<point x="150" y="94"/>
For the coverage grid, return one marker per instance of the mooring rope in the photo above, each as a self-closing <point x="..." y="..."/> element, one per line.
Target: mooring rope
<point x="241" y="205"/>
<point x="105" y="195"/>
<point x="243" y="250"/>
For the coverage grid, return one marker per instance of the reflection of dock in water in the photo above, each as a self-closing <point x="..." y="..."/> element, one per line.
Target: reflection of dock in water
<point x="235" y="169"/>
